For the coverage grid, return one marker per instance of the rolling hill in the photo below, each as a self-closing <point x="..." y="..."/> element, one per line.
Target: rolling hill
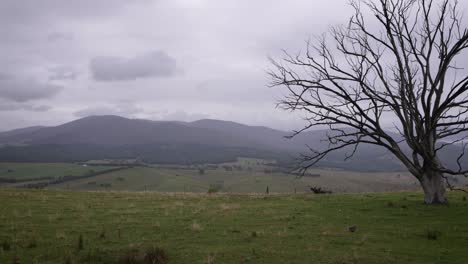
<point x="202" y="141"/>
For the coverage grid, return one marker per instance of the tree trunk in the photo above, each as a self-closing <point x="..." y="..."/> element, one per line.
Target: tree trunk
<point x="434" y="188"/>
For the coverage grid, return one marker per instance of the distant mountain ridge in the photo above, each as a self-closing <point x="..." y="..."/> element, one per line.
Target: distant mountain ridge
<point x="116" y="130"/>
<point x="202" y="141"/>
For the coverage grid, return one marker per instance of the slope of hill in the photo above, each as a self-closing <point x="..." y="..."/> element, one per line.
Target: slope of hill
<point x="203" y="141"/>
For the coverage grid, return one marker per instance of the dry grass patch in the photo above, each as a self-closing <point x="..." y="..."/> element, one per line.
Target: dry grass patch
<point x="210" y="259"/>
<point x="196" y="227"/>
<point x="230" y="206"/>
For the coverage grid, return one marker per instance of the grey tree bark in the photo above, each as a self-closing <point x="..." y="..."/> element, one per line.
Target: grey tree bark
<point x="433" y="185"/>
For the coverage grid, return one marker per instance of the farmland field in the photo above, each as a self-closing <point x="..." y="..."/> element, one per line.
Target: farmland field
<point x="32" y="171"/>
<point x="227" y="228"/>
<point x="242" y="176"/>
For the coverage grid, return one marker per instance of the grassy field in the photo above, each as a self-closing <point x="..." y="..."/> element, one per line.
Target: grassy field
<point x="32" y="171"/>
<point x="45" y="226"/>
<point x="190" y="180"/>
<point x="242" y="176"/>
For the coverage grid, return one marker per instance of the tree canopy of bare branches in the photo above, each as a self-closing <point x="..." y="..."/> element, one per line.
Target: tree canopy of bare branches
<point x="396" y="63"/>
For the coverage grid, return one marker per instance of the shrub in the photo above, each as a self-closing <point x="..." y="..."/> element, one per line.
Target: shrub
<point x="131" y="256"/>
<point x="156" y="255"/>
<point x="227" y="168"/>
<point x="32" y="243"/>
<point x="6" y="245"/>
<point x="16" y="260"/>
<point x="214" y="188"/>
<point x="319" y="190"/>
<point x="432" y="234"/>
<point x="152" y="255"/>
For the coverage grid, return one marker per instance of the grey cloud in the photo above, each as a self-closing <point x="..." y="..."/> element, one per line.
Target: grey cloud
<point x="59" y="36"/>
<point x="127" y="109"/>
<point x="24" y="12"/>
<point x="153" y="64"/>
<point x="99" y="110"/>
<point x="4" y="76"/>
<point x="25" y="89"/>
<point x="221" y="45"/>
<point x="39" y="108"/>
<point x="24" y="107"/>
<point x="182" y="116"/>
<point x="62" y="73"/>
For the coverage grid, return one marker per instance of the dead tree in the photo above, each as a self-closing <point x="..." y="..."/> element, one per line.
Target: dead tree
<point x="319" y="190"/>
<point x="395" y="64"/>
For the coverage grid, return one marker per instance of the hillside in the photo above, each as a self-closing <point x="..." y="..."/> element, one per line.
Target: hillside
<point x="174" y="142"/>
<point x="191" y="228"/>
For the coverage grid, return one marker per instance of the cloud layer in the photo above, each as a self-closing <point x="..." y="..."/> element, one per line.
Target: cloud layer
<point x="153" y="64"/>
<point x="25" y="89"/>
<point x="155" y="59"/>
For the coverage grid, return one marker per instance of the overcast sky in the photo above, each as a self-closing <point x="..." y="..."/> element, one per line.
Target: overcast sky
<point x="154" y="59"/>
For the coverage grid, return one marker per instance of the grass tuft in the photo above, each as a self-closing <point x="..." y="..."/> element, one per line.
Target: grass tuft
<point x="80" y="242"/>
<point x="6" y="245"/>
<point x="432" y="234"/>
<point x="102" y="235"/>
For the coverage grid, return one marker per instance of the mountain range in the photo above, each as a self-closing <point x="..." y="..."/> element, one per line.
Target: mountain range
<point x="202" y="141"/>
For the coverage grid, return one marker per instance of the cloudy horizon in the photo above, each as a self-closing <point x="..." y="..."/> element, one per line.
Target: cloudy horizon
<point x="160" y="60"/>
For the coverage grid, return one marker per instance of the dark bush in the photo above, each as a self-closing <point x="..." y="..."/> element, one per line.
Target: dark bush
<point x="152" y="255"/>
<point x="32" y="243"/>
<point x="319" y="190"/>
<point x="156" y="255"/>
<point x="16" y="260"/>
<point x="227" y="168"/>
<point x="433" y="234"/>
<point x="130" y="257"/>
<point x="6" y="245"/>
<point x="213" y="188"/>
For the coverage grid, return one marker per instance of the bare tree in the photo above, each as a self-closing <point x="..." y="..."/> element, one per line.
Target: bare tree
<point x="393" y="65"/>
